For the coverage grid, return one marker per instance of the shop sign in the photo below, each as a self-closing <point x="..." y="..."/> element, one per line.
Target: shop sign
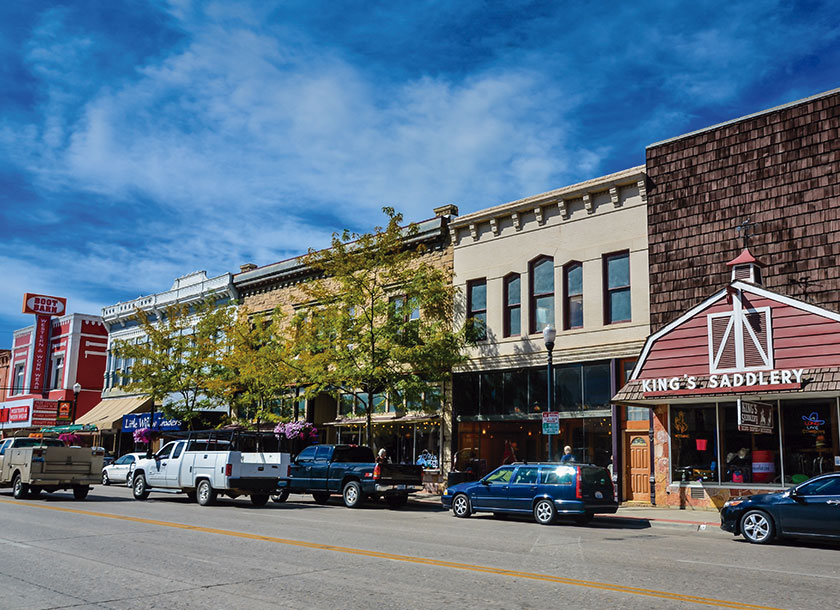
<point x="735" y="382"/>
<point x="551" y="422"/>
<point x="19" y="413"/>
<point x="40" y="304"/>
<point x="43" y="412"/>
<point x="4" y="416"/>
<point x="135" y="421"/>
<point x="39" y="363"/>
<point x="813" y="423"/>
<point x="755" y="417"/>
<point x="64" y="411"/>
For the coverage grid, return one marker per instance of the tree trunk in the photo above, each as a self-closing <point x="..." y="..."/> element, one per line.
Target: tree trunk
<point x="369" y="427"/>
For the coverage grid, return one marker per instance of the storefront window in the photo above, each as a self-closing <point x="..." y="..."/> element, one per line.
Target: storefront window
<point x="569" y="387"/>
<point x="809" y="438"/>
<point x="596" y="385"/>
<point x="693" y="444"/>
<point x="748" y="457"/>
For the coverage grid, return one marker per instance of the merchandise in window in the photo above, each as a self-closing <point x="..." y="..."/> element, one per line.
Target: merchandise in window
<point x="810" y="438"/>
<point x="748" y="457"/>
<point x="693" y="444"/>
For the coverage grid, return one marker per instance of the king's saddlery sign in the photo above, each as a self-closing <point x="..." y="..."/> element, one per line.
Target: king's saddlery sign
<point x="735" y="382"/>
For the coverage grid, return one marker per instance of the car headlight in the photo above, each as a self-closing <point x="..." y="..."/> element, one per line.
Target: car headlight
<point x="734" y="502"/>
<point x="446" y="492"/>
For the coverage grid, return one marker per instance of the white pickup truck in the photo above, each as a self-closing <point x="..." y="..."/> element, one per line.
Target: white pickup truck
<point x="207" y="464"/>
<point x="30" y="465"/>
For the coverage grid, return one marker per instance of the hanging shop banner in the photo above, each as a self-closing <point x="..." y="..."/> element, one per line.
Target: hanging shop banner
<point x="755" y="417"/>
<point x="135" y="421"/>
<point x="551" y="422"/>
<point x="39" y="360"/>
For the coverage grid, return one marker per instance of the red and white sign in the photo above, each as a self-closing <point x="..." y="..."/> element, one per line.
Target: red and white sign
<point x="39" y="358"/>
<point x="43" y="412"/>
<point x="19" y="413"/>
<point x="43" y="304"/>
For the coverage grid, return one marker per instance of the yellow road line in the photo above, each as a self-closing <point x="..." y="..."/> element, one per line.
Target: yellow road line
<point x="693" y="599"/>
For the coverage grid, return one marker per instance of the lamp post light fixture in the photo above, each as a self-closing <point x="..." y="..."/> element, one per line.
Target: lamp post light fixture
<point x="549" y="335"/>
<point x="77" y="387"/>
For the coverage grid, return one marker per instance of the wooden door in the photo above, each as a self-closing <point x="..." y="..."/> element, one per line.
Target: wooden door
<point x="638" y="448"/>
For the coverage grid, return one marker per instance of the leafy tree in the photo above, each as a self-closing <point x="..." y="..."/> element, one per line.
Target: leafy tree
<point x="379" y="319"/>
<point x="252" y="373"/>
<point x="174" y="361"/>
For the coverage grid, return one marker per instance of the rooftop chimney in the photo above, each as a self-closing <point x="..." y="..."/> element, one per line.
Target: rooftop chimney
<point x="445" y="211"/>
<point x="247" y="267"/>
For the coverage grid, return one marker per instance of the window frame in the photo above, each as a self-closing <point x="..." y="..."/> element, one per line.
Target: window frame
<point x="507" y="307"/>
<point x="19" y="370"/>
<point x="57" y="372"/>
<point x="470" y="311"/>
<point x="532" y="296"/>
<point x="567" y="268"/>
<point x="607" y="291"/>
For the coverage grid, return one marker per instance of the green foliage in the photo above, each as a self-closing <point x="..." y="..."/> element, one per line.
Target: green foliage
<point x="176" y="358"/>
<point x="253" y="374"/>
<point x="380" y="319"/>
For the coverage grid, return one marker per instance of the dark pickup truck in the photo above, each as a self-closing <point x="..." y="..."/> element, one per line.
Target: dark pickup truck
<point x="349" y="470"/>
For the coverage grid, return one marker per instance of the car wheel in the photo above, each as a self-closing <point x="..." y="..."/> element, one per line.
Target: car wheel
<point x="105" y="479"/>
<point x="206" y="494"/>
<point x="353" y="497"/>
<point x="544" y="512"/>
<point x="397" y="501"/>
<point x="80" y="492"/>
<point x="461" y="506"/>
<point x="139" y="487"/>
<point x="280" y="497"/>
<point x="757" y="527"/>
<point x="20" y="489"/>
<point x="259" y="499"/>
<point x="321" y="497"/>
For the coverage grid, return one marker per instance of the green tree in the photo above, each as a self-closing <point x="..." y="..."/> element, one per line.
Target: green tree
<point x="175" y="360"/>
<point x="252" y="372"/>
<point x="380" y="319"/>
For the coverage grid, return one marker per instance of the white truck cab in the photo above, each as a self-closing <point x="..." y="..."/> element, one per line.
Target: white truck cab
<point x="206" y="464"/>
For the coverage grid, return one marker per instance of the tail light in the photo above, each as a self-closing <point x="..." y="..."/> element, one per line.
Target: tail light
<point x="97" y="451"/>
<point x="289" y="470"/>
<point x="228" y="469"/>
<point x="578" y="493"/>
<point x="377" y="472"/>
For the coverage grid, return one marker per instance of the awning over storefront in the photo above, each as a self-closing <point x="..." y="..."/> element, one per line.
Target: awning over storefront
<point x="406" y="419"/>
<point x="107" y="415"/>
<point x="68" y="428"/>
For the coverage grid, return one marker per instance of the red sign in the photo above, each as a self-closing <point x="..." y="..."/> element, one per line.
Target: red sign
<point x="65" y="411"/>
<point x="39" y="360"/>
<point x="18" y="413"/>
<point x="4" y="416"/>
<point x="42" y="304"/>
<point x="43" y="412"/>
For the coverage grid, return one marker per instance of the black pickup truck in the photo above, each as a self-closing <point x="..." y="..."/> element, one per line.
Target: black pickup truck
<point x="349" y="470"/>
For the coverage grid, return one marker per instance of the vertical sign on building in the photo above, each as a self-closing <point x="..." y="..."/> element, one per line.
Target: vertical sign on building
<point x="44" y="307"/>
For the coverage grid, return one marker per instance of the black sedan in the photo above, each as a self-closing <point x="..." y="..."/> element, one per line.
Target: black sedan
<point x="810" y="510"/>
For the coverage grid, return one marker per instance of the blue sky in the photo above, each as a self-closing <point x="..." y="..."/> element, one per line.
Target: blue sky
<point x="142" y="140"/>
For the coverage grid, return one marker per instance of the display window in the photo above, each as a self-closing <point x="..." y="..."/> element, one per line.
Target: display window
<point x="799" y="440"/>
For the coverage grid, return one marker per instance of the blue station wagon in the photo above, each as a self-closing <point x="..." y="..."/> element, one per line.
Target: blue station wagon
<point x="544" y="490"/>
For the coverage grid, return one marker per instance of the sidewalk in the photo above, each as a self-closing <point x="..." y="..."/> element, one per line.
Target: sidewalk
<point x="649" y="514"/>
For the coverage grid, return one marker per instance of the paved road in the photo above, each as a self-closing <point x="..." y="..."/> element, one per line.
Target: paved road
<point x="113" y="552"/>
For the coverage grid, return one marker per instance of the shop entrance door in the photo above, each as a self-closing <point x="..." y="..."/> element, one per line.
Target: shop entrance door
<point x="638" y="449"/>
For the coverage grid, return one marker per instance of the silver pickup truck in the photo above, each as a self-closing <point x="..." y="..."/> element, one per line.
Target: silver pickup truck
<point x="32" y="465"/>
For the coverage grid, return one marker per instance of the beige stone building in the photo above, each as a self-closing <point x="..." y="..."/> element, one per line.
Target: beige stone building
<point x="340" y="418"/>
<point x="575" y="258"/>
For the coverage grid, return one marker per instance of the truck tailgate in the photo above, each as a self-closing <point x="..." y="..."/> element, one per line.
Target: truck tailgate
<point x="400" y="474"/>
<point x="263" y="465"/>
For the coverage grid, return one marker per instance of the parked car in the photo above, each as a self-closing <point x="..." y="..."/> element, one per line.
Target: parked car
<point x="808" y="510"/>
<point x="120" y="469"/>
<point x="209" y="463"/>
<point x="350" y="471"/>
<point x="32" y="465"/>
<point x="545" y="490"/>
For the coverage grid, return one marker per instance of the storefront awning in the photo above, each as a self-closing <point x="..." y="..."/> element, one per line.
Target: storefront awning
<point x="68" y="428"/>
<point x="107" y="415"/>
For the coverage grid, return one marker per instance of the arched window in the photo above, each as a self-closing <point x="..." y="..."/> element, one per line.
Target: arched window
<point x="541" y="293"/>
<point x="512" y="305"/>
<point x="573" y="295"/>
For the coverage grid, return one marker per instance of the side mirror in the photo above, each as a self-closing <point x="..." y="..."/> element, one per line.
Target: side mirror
<point x="795" y="495"/>
<point x="485" y="482"/>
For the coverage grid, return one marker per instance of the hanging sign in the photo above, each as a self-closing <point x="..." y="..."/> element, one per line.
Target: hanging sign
<point x="551" y="422"/>
<point x="43" y="412"/>
<point x="41" y="304"/>
<point x="755" y="417"/>
<point x="64" y="411"/>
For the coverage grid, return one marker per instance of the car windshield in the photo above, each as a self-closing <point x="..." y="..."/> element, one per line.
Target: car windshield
<point x="38" y="442"/>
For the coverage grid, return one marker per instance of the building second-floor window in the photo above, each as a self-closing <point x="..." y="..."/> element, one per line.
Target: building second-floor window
<point x="541" y="293"/>
<point x="57" y="374"/>
<point x="617" y="287"/>
<point x="573" y="295"/>
<point x="512" y="305"/>
<point x="477" y="307"/>
<point x="18" y="388"/>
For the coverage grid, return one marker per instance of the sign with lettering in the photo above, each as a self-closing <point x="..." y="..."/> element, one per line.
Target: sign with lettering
<point x="755" y="417"/>
<point x="735" y="382"/>
<point x="551" y="422"/>
<point x="43" y="412"/>
<point x="136" y="421"/>
<point x="64" y="411"/>
<point x="19" y="413"/>
<point x="41" y="304"/>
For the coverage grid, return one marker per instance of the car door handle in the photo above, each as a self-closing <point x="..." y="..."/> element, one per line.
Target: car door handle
<point x="163" y="463"/>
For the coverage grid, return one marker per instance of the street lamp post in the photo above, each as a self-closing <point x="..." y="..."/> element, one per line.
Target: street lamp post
<point x="77" y="387"/>
<point x="549" y="335"/>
